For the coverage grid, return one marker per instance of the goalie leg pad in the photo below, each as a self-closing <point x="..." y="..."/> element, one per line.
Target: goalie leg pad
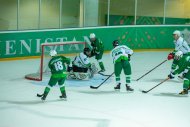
<point x="94" y="69"/>
<point x="82" y="76"/>
<point x="78" y="75"/>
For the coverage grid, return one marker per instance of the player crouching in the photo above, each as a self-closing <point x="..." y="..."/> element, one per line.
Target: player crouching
<point x="82" y="69"/>
<point x="183" y="63"/>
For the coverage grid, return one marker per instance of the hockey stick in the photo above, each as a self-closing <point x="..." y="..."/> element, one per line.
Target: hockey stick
<point x="39" y="95"/>
<point x="180" y="77"/>
<point x="102" y="74"/>
<point x="151" y="70"/>
<point x="155" y="86"/>
<point x="96" y="87"/>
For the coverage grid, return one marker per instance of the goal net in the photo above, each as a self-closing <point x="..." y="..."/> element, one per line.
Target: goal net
<point x="62" y="48"/>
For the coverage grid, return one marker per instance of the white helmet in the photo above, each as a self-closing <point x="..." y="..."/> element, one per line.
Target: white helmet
<point x="177" y="32"/>
<point x="178" y="55"/>
<point x="92" y="35"/>
<point x="52" y="53"/>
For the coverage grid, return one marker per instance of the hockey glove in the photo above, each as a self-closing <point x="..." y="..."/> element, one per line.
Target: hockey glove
<point x="93" y="53"/>
<point x="129" y="57"/>
<point x="96" y="51"/>
<point x="170" y="56"/>
<point x="171" y="76"/>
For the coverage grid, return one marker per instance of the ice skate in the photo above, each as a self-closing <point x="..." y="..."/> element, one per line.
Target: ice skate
<point x="184" y="92"/>
<point x="63" y="96"/>
<point x="128" y="88"/>
<point x="118" y="86"/>
<point x="44" y="97"/>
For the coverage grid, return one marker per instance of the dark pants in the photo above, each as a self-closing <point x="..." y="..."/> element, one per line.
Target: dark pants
<point x="79" y="69"/>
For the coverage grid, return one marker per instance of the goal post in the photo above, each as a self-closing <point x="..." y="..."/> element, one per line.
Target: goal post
<point x="63" y="48"/>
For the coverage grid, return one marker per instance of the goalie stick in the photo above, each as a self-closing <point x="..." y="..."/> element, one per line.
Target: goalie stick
<point x="155" y="86"/>
<point x="96" y="87"/>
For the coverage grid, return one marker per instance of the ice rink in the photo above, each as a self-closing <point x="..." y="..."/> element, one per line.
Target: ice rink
<point x="102" y="107"/>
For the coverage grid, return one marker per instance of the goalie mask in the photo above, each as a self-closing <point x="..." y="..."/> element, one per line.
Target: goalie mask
<point x="115" y="43"/>
<point x="178" y="55"/>
<point x="87" y="51"/>
<point x="53" y="53"/>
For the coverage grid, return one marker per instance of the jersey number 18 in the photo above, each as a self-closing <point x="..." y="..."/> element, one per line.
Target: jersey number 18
<point x="58" y="65"/>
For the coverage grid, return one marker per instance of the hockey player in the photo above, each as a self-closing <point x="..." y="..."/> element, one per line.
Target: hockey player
<point x="180" y="45"/>
<point x="58" y="74"/>
<point x="97" y="50"/>
<point x="121" y="57"/>
<point x="82" y="68"/>
<point x="181" y="64"/>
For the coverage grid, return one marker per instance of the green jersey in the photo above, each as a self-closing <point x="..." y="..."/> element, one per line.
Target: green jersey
<point x="182" y="64"/>
<point x="97" y="46"/>
<point x="57" y="66"/>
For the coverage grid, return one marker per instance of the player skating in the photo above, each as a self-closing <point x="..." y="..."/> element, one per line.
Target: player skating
<point x="97" y="50"/>
<point x="180" y="45"/>
<point x="181" y="64"/>
<point x="121" y="57"/>
<point x="58" y="74"/>
<point x="82" y="68"/>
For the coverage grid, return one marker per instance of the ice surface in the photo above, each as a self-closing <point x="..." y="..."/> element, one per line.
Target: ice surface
<point x="85" y="107"/>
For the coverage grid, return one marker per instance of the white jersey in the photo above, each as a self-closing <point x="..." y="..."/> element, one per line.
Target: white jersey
<point x="181" y="45"/>
<point x="120" y="52"/>
<point x="81" y="60"/>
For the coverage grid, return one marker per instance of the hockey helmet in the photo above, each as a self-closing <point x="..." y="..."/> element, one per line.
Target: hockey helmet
<point x="177" y="32"/>
<point x="52" y="53"/>
<point x="115" y="43"/>
<point x="87" y="51"/>
<point x="92" y="35"/>
<point x="178" y="55"/>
